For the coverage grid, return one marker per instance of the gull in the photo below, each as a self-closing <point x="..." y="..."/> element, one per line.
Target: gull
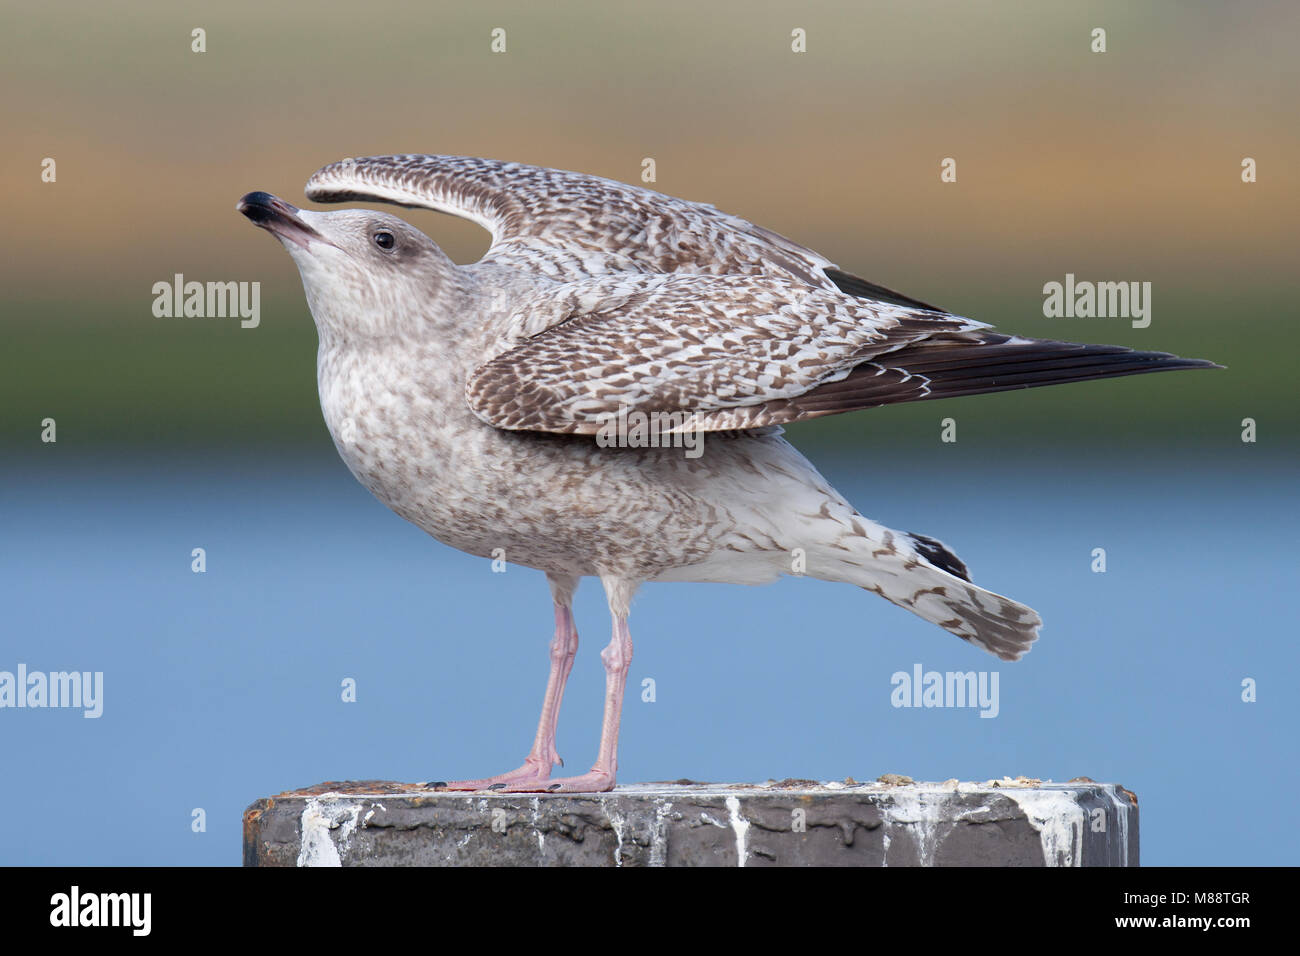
<point x="473" y="400"/>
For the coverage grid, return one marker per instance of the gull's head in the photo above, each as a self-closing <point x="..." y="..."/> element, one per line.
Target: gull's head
<point x="364" y="272"/>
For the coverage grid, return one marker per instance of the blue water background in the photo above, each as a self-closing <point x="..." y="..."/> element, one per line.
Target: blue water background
<point x="224" y="687"/>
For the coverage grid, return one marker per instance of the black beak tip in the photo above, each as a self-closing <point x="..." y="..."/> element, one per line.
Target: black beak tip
<point x="261" y="207"/>
<point x="283" y="220"/>
<point x="256" y="206"/>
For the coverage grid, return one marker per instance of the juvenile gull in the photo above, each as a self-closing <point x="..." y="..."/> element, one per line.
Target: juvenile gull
<point x="471" y="399"/>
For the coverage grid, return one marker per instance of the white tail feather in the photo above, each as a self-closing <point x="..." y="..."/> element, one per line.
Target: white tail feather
<point x="888" y="563"/>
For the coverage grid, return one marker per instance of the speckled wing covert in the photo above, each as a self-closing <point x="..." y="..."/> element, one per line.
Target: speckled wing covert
<point x="566" y="225"/>
<point x="727" y="352"/>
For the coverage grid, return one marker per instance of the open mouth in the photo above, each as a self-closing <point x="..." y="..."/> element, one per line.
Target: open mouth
<point x="278" y="218"/>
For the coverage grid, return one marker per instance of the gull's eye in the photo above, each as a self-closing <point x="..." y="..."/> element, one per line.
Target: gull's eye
<point x="384" y="240"/>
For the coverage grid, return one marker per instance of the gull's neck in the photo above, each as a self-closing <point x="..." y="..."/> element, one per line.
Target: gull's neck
<point x="437" y="306"/>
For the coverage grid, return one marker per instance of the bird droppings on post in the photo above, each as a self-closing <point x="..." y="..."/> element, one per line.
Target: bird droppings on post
<point x="317" y="845"/>
<point x="1003" y="822"/>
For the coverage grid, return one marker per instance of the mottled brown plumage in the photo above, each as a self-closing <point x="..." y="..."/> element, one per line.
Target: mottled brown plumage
<point x="474" y="400"/>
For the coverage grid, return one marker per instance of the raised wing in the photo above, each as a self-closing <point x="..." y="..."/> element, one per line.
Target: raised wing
<point x="569" y="226"/>
<point x="721" y="352"/>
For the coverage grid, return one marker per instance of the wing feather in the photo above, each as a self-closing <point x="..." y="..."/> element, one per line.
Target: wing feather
<point x="722" y="351"/>
<point x="566" y="225"/>
<point x="664" y="305"/>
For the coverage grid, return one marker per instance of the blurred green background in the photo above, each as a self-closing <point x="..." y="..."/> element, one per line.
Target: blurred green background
<point x="1116" y="166"/>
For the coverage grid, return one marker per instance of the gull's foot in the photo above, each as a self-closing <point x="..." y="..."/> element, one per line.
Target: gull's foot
<point x="594" y="781"/>
<point x="532" y="775"/>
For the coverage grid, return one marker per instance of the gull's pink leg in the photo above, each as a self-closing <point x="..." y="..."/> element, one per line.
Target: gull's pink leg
<point x="536" y="768"/>
<point x="617" y="658"/>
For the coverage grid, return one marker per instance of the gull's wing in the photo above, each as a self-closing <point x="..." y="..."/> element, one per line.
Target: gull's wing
<point x="735" y="352"/>
<point x="729" y="351"/>
<point x="569" y="226"/>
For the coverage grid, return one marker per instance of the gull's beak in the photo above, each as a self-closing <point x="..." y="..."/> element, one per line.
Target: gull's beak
<point x="279" y="218"/>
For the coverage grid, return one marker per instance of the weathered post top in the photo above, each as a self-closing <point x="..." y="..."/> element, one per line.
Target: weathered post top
<point x="891" y="822"/>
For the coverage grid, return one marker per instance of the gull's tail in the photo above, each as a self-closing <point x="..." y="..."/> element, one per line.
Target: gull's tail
<point x="923" y="576"/>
